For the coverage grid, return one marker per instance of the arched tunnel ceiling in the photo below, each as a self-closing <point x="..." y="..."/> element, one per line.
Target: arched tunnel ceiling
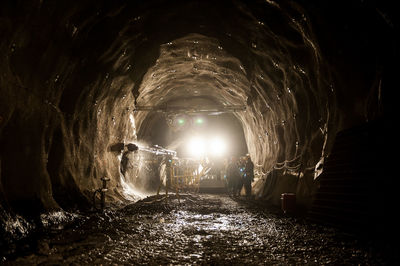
<point x="194" y="66"/>
<point x="193" y="72"/>
<point x="81" y="67"/>
<point x="270" y="65"/>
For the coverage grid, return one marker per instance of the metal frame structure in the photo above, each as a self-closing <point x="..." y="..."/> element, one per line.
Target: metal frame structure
<point x="191" y="109"/>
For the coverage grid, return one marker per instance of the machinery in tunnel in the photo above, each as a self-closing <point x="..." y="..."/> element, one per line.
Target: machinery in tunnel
<point x="281" y="80"/>
<point x="204" y="136"/>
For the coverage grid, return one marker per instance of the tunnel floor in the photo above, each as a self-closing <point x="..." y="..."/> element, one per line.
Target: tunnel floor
<point x="196" y="229"/>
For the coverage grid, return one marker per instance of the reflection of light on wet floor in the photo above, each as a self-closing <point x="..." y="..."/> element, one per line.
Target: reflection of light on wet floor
<point x="204" y="226"/>
<point x="222" y="223"/>
<point x="205" y="231"/>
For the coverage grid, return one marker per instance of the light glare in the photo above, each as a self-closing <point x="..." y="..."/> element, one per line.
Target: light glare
<point x="197" y="146"/>
<point x="199" y="121"/>
<point x="217" y="146"/>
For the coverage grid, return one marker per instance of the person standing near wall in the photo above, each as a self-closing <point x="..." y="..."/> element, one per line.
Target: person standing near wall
<point x="248" y="175"/>
<point x="125" y="157"/>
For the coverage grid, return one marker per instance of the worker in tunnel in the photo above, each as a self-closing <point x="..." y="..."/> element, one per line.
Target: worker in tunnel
<point x="130" y="148"/>
<point x="233" y="177"/>
<point x="169" y="174"/>
<point x="216" y="168"/>
<point x="248" y="176"/>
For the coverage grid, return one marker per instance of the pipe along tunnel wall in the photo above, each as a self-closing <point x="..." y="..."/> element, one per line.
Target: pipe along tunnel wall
<point x="72" y="74"/>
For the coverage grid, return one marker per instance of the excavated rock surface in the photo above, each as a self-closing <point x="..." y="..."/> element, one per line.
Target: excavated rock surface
<point x="72" y="73"/>
<point x="198" y="229"/>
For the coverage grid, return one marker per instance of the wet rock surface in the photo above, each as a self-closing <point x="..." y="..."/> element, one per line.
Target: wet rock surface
<point x="197" y="229"/>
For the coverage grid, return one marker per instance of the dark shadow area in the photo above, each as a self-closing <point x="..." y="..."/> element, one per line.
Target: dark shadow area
<point x="117" y="147"/>
<point x="64" y="188"/>
<point x="356" y="192"/>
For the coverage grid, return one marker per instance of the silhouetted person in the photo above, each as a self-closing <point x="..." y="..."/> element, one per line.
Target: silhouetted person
<point x="233" y="176"/>
<point x="125" y="157"/>
<point x="248" y="176"/>
<point x="241" y="165"/>
<point x="217" y="168"/>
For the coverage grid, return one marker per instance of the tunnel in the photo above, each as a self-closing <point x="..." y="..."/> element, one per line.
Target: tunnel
<point x="305" y="88"/>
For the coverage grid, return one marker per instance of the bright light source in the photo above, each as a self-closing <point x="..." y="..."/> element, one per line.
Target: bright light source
<point x="196" y="146"/>
<point x="199" y="121"/>
<point x="217" y="146"/>
<point x="181" y="121"/>
<point x="199" y="146"/>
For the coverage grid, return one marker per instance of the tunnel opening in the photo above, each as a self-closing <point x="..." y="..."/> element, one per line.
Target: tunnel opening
<point x="204" y="136"/>
<point x="174" y="130"/>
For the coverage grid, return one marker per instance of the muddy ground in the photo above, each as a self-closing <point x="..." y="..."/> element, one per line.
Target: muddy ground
<point x="197" y="229"/>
